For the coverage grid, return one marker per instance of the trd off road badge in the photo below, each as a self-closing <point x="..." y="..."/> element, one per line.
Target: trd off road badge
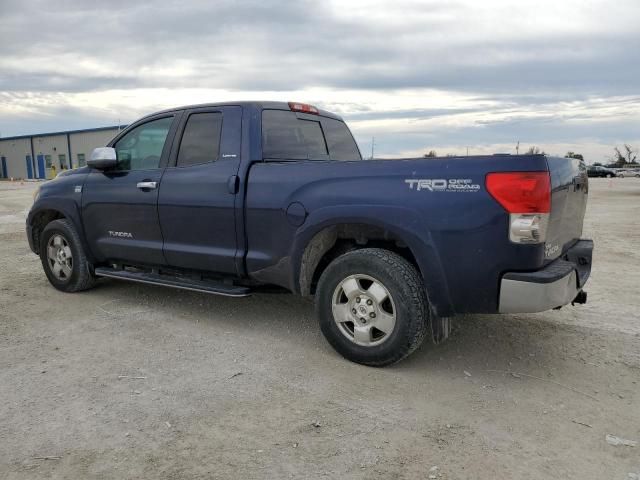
<point x="443" y="184"/>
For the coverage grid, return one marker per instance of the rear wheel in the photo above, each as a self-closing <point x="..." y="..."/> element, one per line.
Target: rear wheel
<point x="63" y="258"/>
<point x="372" y="306"/>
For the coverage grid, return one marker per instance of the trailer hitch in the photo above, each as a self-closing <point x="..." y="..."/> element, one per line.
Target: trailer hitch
<point x="580" y="298"/>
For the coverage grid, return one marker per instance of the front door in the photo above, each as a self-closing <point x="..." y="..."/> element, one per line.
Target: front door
<point x="4" y="168"/>
<point x="198" y="196"/>
<point x="120" y="206"/>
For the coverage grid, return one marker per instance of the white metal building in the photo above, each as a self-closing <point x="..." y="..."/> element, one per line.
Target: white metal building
<point x="44" y="155"/>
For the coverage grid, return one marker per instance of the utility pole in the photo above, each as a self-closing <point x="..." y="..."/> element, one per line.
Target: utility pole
<point x="467" y="151"/>
<point x="373" y="144"/>
<point x="518" y="148"/>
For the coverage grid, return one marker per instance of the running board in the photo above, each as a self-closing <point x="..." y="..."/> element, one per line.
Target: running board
<point x="205" y="286"/>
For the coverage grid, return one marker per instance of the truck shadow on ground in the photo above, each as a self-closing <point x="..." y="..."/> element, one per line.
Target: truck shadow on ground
<point x="504" y="342"/>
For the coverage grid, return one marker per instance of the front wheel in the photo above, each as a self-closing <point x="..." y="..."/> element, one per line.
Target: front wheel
<point x="372" y="306"/>
<point x="63" y="258"/>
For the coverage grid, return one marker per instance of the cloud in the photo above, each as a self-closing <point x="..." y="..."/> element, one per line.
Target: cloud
<point x="492" y="70"/>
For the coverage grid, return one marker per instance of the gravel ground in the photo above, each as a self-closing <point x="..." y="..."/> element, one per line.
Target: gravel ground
<point x="134" y="381"/>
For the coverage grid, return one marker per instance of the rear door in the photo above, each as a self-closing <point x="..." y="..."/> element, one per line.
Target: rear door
<point x="120" y="206"/>
<point x="197" y="199"/>
<point x="569" y="189"/>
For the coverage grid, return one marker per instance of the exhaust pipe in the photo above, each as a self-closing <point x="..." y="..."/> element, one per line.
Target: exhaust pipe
<point x="580" y="298"/>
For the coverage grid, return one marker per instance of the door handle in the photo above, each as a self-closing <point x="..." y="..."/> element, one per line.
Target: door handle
<point x="147" y="185"/>
<point x="233" y="184"/>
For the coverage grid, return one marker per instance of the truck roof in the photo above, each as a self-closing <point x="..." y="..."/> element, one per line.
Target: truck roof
<point x="260" y="105"/>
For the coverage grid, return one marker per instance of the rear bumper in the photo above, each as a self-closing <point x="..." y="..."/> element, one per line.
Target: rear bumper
<point x="555" y="285"/>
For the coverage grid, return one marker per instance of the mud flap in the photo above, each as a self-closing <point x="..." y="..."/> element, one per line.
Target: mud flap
<point x="440" y="328"/>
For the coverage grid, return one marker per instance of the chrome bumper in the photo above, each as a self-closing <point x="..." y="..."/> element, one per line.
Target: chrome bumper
<point x="554" y="286"/>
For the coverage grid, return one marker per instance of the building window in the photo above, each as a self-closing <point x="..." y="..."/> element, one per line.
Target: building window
<point x="47" y="159"/>
<point x="81" y="160"/>
<point x="62" y="158"/>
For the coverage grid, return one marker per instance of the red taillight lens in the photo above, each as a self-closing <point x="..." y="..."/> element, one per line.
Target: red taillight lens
<point x="303" y="107"/>
<point x="521" y="192"/>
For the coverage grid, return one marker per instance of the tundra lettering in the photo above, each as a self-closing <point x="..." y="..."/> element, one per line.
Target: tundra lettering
<point x="120" y="234"/>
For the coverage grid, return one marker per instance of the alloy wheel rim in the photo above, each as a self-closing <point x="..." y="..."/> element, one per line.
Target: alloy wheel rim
<point x="363" y="310"/>
<point x="59" y="257"/>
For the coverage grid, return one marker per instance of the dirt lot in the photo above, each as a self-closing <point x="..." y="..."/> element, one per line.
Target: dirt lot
<point x="133" y="381"/>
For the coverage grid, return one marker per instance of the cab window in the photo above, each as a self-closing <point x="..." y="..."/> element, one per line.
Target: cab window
<point x="287" y="136"/>
<point x="141" y="148"/>
<point x="201" y="139"/>
<point x="284" y="136"/>
<point x="341" y="143"/>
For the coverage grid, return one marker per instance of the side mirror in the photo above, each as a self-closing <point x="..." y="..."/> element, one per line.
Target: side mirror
<point x="103" y="158"/>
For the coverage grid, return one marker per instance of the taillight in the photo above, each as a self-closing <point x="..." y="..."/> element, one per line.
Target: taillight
<point x="527" y="198"/>
<point x="521" y="192"/>
<point x="303" y="107"/>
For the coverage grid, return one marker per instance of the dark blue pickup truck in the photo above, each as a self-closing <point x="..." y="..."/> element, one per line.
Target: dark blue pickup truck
<point x="232" y="198"/>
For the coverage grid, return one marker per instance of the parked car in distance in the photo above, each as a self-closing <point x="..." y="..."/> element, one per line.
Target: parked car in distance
<point x="598" y="171"/>
<point x="629" y="173"/>
<point x="228" y="198"/>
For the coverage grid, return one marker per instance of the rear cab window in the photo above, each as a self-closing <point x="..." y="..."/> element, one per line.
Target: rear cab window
<point x="290" y="136"/>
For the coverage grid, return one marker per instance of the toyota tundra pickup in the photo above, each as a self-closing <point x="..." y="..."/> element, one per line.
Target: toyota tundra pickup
<point x="232" y="198"/>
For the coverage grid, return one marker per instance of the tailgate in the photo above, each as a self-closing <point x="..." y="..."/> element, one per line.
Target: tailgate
<point x="569" y="187"/>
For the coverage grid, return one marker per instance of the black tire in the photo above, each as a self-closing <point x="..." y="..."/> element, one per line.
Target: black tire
<point x="406" y="295"/>
<point x="81" y="272"/>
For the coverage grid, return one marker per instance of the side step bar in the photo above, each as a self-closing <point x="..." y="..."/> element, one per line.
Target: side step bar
<point x="205" y="286"/>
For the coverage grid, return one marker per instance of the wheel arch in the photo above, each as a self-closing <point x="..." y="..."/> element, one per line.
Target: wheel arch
<point x="38" y="221"/>
<point x="322" y="241"/>
<point x="41" y="215"/>
<point x="333" y="240"/>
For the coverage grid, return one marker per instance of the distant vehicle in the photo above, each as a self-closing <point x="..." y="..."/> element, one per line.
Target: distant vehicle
<point x="597" y="171"/>
<point x="226" y="198"/>
<point x="629" y="173"/>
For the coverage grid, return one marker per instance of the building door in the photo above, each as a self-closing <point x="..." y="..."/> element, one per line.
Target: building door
<point x="41" y="170"/>
<point x="52" y="170"/>
<point x="29" y="167"/>
<point x="4" y="168"/>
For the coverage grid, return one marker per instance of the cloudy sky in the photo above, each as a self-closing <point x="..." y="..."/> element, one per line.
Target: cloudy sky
<point x="416" y="75"/>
